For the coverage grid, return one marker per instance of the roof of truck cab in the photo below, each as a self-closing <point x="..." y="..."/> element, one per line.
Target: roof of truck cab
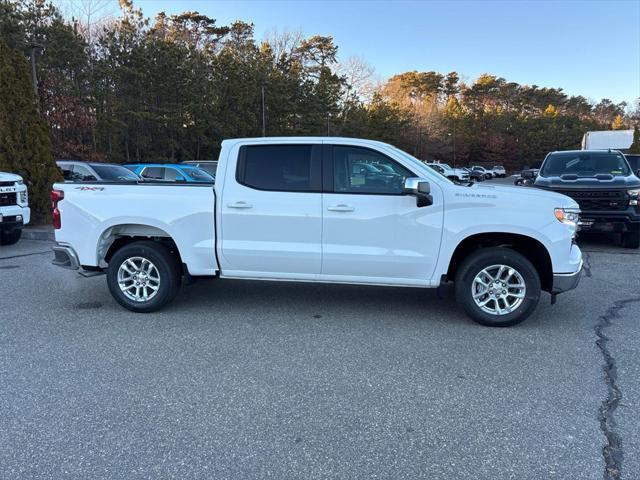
<point x="593" y="150"/>
<point x="315" y="139"/>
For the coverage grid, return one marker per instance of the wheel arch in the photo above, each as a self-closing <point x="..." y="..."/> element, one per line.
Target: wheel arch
<point x="529" y="247"/>
<point x="117" y="236"/>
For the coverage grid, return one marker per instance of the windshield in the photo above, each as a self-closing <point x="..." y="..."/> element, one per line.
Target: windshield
<point x="114" y="173"/>
<point x="585" y="164"/>
<point x="198" y="174"/>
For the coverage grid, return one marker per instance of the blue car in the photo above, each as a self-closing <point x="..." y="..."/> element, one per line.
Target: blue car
<point x="170" y="172"/>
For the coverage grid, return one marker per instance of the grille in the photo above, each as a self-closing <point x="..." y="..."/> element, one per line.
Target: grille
<point x="8" y="199"/>
<point x="598" y="200"/>
<point x="7" y="184"/>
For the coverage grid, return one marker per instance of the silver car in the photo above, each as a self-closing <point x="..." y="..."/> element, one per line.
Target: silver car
<point x="76" y="171"/>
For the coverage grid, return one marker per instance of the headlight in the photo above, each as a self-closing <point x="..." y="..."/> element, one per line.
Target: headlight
<point x="20" y="182"/>
<point x="24" y="198"/>
<point x="634" y="196"/>
<point x="569" y="216"/>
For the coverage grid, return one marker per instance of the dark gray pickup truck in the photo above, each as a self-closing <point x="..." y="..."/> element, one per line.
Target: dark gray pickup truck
<point x="603" y="184"/>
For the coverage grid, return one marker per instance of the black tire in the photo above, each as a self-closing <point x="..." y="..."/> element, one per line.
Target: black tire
<point x="487" y="257"/>
<point x="168" y="269"/>
<point x="9" y="238"/>
<point x="631" y="240"/>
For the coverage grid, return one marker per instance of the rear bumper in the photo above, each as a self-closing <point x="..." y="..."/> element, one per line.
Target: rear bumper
<point x="65" y="257"/>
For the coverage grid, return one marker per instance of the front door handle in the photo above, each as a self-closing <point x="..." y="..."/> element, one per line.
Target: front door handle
<point x="341" y="208"/>
<point x="239" y="205"/>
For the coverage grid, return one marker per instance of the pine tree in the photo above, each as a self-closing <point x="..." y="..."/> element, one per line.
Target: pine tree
<point x="25" y="142"/>
<point x="635" y="146"/>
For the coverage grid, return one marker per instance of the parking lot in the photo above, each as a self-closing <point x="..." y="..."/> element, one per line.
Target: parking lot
<point x="277" y="380"/>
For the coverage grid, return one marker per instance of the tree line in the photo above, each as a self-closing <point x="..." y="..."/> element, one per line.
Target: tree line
<point x="171" y="88"/>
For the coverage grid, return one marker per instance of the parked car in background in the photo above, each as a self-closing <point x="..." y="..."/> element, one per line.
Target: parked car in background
<point x="209" y="166"/>
<point x="526" y="177"/>
<point x="603" y="184"/>
<point x="14" y="208"/>
<point x="296" y="209"/>
<point x="474" y="175"/>
<point x="457" y="174"/>
<point x="77" y="171"/>
<point x="499" y="171"/>
<point x="171" y="172"/>
<point x="488" y="174"/>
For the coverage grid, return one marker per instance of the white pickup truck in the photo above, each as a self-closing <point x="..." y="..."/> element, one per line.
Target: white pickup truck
<point x="304" y="209"/>
<point x="14" y="208"/>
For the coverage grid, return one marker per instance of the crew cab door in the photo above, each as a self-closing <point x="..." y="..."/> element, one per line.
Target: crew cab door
<point x="372" y="232"/>
<point x="271" y="212"/>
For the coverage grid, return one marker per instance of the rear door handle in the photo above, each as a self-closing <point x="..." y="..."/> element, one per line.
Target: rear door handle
<point x="341" y="208"/>
<point x="239" y="205"/>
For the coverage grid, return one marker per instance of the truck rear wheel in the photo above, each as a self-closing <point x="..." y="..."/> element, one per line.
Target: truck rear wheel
<point x="9" y="238"/>
<point x="143" y="276"/>
<point x="631" y="240"/>
<point x="497" y="287"/>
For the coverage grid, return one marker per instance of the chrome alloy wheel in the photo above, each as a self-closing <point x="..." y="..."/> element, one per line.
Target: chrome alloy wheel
<point x="138" y="279"/>
<point x="498" y="289"/>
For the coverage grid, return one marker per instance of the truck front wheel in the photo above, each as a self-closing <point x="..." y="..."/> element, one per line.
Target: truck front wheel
<point x="9" y="238"/>
<point x="631" y="240"/>
<point x="143" y="276"/>
<point x="497" y="287"/>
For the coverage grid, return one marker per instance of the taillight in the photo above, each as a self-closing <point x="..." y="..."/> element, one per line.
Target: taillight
<point x="56" y="196"/>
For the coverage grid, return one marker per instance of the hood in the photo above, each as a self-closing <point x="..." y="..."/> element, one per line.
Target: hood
<point x="9" y="177"/>
<point x="613" y="183"/>
<point x="536" y="194"/>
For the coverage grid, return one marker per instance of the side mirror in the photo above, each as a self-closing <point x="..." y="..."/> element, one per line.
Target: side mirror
<point x="419" y="188"/>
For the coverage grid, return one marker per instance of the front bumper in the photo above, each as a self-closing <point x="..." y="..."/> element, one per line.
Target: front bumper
<point x="563" y="282"/>
<point x="617" y="222"/>
<point x="11" y="223"/>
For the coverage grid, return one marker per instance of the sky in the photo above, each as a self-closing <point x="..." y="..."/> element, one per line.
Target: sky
<point x="588" y="47"/>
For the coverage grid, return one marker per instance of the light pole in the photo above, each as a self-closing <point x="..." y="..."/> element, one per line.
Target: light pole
<point x="34" y="79"/>
<point x="264" y="125"/>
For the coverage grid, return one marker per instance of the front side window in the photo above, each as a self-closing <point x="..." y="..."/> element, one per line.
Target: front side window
<point x="287" y="168"/>
<point x="155" y="173"/>
<point x="115" y="173"/>
<point x="198" y="174"/>
<point x="361" y="170"/>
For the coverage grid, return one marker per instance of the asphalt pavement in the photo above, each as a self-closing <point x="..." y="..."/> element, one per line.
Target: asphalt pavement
<point x="258" y="380"/>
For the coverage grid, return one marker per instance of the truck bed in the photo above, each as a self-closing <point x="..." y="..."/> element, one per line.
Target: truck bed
<point x="96" y="214"/>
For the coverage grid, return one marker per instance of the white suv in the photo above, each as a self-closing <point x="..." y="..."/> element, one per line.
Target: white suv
<point x="14" y="208"/>
<point x="458" y="174"/>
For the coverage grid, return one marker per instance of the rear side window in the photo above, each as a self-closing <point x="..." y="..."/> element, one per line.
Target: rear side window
<point x="82" y="174"/>
<point x="286" y="168"/>
<point x="67" y="173"/>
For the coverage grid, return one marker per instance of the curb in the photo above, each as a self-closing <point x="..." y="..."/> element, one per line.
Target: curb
<point x="40" y="234"/>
